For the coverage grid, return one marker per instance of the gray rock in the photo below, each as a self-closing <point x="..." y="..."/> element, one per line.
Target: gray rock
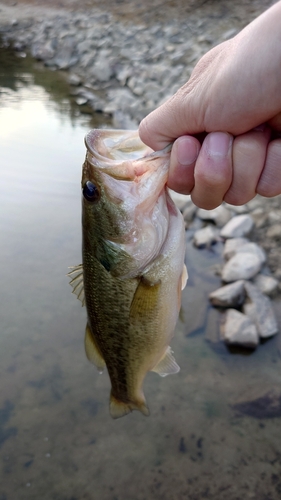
<point x="239" y="329"/>
<point x="253" y="248"/>
<point x="274" y="216"/>
<point x="120" y="99"/>
<point x="232" y="245"/>
<point x="241" y="266"/>
<point x="274" y="232"/>
<point x="171" y="76"/>
<point x="102" y="69"/>
<point x="189" y="211"/>
<point x="260" y="310"/>
<point x="81" y="101"/>
<point x="238" y="226"/>
<point x="74" y="80"/>
<point x="124" y="121"/>
<point x="137" y="85"/>
<point x="85" y="46"/>
<point x="238" y="209"/>
<point x="232" y="295"/>
<point x="65" y="56"/>
<point x="266" y="284"/>
<point x="256" y="202"/>
<point x="87" y="94"/>
<point x="260" y="217"/>
<point x="220" y="215"/>
<point x="43" y="52"/>
<point x="86" y="61"/>
<point x="123" y="73"/>
<point x="154" y="92"/>
<point x="205" y="237"/>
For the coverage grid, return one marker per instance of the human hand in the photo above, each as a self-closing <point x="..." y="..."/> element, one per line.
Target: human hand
<point x="233" y="100"/>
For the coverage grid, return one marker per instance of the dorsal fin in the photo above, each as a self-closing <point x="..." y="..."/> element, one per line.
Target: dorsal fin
<point x="77" y="282"/>
<point x="167" y="364"/>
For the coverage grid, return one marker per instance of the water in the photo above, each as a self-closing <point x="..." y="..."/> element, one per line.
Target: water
<point x="57" y="440"/>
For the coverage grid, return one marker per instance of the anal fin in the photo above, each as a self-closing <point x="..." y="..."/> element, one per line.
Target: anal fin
<point x="167" y="364"/>
<point x="92" y="350"/>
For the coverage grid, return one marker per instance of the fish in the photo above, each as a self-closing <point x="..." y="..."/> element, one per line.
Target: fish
<point x="133" y="271"/>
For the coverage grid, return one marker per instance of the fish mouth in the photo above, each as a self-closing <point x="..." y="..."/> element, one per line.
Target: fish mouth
<point x="121" y="153"/>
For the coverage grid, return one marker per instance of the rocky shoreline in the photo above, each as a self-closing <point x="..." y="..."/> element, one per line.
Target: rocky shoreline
<point x="247" y="282"/>
<point x="124" y="67"/>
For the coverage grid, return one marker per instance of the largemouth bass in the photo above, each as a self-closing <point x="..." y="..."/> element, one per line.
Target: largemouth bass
<point x="133" y="263"/>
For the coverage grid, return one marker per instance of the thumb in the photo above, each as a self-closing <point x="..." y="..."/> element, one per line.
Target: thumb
<point x="166" y="123"/>
<point x="184" y="112"/>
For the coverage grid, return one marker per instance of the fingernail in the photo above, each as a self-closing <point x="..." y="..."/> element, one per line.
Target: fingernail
<point x="187" y="150"/>
<point x="218" y="143"/>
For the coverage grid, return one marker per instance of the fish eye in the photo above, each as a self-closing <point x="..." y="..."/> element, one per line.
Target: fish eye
<point x="90" y="192"/>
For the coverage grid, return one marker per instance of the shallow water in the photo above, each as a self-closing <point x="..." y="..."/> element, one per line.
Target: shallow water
<point x="57" y="440"/>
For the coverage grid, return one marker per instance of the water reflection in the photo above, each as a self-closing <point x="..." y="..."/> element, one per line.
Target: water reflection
<point x="57" y="440"/>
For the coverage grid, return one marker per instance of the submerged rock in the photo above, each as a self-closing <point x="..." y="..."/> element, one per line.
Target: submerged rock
<point x="267" y="405"/>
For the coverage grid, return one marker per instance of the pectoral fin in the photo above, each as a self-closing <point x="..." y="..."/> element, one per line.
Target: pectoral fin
<point x="184" y="277"/>
<point x="167" y="364"/>
<point x="77" y="282"/>
<point x="92" y="350"/>
<point x="145" y="299"/>
<point x="181" y="284"/>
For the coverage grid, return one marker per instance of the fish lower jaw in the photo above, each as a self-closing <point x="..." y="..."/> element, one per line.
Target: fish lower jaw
<point x="119" y="408"/>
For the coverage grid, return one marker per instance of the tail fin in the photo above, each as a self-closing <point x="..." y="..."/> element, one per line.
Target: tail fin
<point x="118" y="408"/>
